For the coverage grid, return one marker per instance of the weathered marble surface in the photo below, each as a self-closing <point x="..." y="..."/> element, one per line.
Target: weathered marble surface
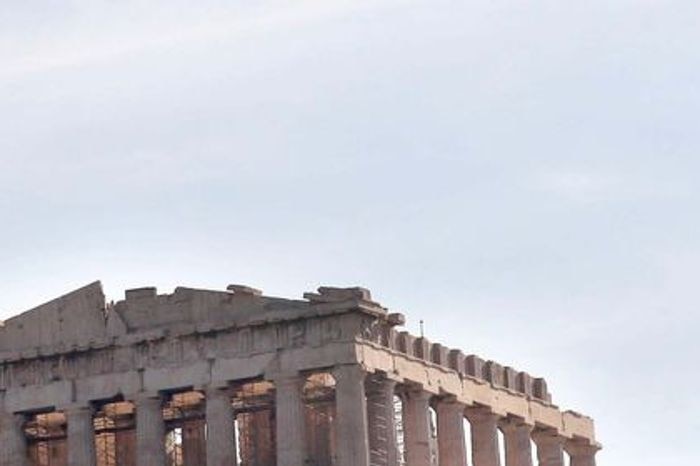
<point x="79" y="349"/>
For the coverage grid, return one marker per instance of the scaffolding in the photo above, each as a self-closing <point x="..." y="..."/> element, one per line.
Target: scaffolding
<point x="46" y="438"/>
<point x="319" y="409"/>
<point x="115" y="434"/>
<point x="185" y="427"/>
<point x="184" y="416"/>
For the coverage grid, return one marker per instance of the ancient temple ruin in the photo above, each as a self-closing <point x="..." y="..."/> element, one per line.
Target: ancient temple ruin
<point x="224" y="378"/>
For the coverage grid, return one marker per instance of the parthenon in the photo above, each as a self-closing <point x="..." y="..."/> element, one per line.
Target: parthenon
<point x="236" y="378"/>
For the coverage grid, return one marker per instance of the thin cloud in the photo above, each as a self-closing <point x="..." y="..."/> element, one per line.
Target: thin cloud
<point x="579" y="186"/>
<point x="592" y="187"/>
<point x="148" y="31"/>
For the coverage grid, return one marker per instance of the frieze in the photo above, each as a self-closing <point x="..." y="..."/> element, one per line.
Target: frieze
<point x="162" y="352"/>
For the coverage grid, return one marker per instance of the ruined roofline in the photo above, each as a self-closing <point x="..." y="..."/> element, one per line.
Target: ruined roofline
<point x="81" y="320"/>
<point x="95" y="286"/>
<point x="325" y="294"/>
<point x="404" y="344"/>
<point x="201" y="339"/>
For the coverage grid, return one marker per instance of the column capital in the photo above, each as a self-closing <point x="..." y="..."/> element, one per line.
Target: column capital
<point x="349" y="371"/>
<point x="417" y="426"/>
<point x="289" y="412"/>
<point x="449" y="403"/>
<point x="550" y="447"/>
<point x="80" y="435"/>
<point x="484" y="425"/>
<point x="147" y="397"/>
<point x="449" y="400"/>
<point x="451" y="439"/>
<point x="546" y="437"/>
<point x="581" y="448"/>
<point x="150" y="429"/>
<point x="220" y="438"/>
<point x="77" y="408"/>
<point x="212" y="392"/>
<point x="517" y="441"/>
<point x="417" y="392"/>
<point x="513" y="424"/>
<point x="381" y="378"/>
<point x="481" y="414"/>
<point x="351" y="413"/>
<point x="286" y="378"/>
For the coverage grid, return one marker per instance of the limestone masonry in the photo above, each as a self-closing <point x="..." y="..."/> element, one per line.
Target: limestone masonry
<point x="224" y="378"/>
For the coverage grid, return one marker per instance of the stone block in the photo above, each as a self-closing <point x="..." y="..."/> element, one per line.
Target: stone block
<point x="333" y="294"/>
<point x="396" y="319"/>
<point x="406" y="342"/>
<point x="474" y="366"/>
<point x="539" y="389"/>
<point x="510" y="376"/>
<point x="107" y="386"/>
<point x="38" y="397"/>
<point x="421" y="349"/>
<point x="390" y="338"/>
<point x="525" y="383"/>
<point x="438" y="354"/>
<point x="148" y="292"/>
<point x="493" y="372"/>
<point x="456" y="360"/>
<point x="244" y="290"/>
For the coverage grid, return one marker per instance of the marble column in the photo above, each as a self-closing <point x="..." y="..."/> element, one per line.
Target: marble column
<point x="13" y="443"/>
<point x="150" y="431"/>
<point x="518" y="445"/>
<point x="221" y="435"/>
<point x="550" y="448"/>
<point x="290" y="420"/>
<point x="581" y="454"/>
<point x="452" y="447"/>
<point x="351" y="416"/>
<point x="81" y="436"/>
<point x="484" y="424"/>
<point x="417" y="428"/>
<point x="383" y="449"/>
<point x="194" y="442"/>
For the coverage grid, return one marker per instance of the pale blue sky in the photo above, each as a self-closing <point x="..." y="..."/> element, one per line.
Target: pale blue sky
<point x="522" y="175"/>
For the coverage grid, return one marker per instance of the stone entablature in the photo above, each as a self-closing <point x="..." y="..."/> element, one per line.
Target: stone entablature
<point x="80" y="351"/>
<point x="197" y="338"/>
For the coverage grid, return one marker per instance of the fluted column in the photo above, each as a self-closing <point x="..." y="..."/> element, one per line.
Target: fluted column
<point x="351" y="413"/>
<point x="484" y="424"/>
<point x="452" y="448"/>
<point x="13" y="444"/>
<point x="383" y="448"/>
<point x="290" y="420"/>
<point x="581" y="454"/>
<point x="518" y="445"/>
<point x="221" y="435"/>
<point x="81" y="436"/>
<point x="194" y="442"/>
<point x="417" y="428"/>
<point x="150" y="431"/>
<point x="550" y="448"/>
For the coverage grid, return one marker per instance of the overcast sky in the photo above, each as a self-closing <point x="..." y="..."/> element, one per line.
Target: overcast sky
<point x="523" y="175"/>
